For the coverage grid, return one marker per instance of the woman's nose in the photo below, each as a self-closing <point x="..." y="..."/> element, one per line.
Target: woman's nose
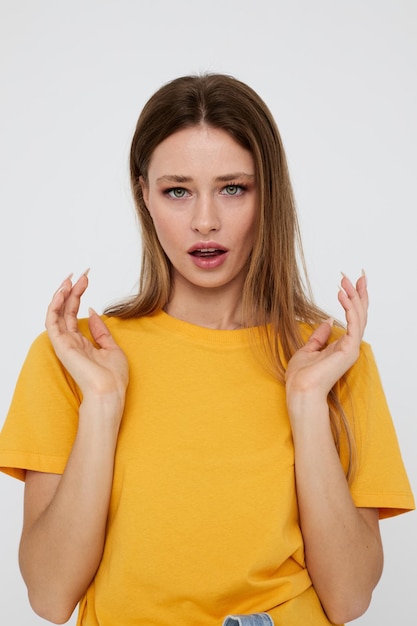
<point x="205" y="217"/>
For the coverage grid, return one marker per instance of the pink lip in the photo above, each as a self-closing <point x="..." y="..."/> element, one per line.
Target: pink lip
<point x="208" y="262"/>
<point x="204" y="245"/>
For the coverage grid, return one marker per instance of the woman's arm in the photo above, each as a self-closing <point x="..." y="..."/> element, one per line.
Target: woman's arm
<point x="342" y="543"/>
<point x="65" y="516"/>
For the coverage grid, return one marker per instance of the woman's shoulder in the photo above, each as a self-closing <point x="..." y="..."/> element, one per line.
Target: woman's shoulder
<point x="41" y="344"/>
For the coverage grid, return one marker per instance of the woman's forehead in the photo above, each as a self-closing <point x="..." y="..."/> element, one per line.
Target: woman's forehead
<point x="197" y="149"/>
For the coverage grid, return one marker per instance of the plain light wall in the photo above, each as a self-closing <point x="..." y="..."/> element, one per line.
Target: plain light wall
<point x="340" y="78"/>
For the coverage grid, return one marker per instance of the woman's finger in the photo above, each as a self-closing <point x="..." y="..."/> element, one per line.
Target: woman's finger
<point x="72" y="302"/>
<point x="99" y="331"/>
<point x="358" y="294"/>
<point x="362" y="289"/>
<point x="318" y="339"/>
<point x="354" y="300"/>
<point x="54" y="321"/>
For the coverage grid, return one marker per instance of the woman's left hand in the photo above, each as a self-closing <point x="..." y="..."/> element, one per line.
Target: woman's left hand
<point x="342" y="543"/>
<point x="316" y="367"/>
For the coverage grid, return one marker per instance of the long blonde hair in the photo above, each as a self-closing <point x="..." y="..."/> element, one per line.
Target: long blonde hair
<point x="276" y="294"/>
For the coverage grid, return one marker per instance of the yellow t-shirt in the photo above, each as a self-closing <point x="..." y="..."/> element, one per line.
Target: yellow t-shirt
<point x="203" y="518"/>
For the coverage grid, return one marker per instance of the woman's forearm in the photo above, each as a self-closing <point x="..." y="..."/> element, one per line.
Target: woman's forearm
<point x="343" y="550"/>
<point x="62" y="545"/>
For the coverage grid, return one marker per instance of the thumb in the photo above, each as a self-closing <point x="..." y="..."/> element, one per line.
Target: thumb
<point x="320" y="336"/>
<point x="99" y="330"/>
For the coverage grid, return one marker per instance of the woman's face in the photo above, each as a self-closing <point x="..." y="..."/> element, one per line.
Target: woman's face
<point x="202" y="197"/>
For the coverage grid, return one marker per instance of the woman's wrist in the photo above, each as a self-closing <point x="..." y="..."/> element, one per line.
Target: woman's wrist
<point x="303" y="405"/>
<point x="103" y="406"/>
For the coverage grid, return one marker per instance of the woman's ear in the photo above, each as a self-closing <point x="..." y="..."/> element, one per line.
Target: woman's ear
<point x="145" y="190"/>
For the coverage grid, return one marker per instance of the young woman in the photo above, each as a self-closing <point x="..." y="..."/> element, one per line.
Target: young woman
<point x="215" y="446"/>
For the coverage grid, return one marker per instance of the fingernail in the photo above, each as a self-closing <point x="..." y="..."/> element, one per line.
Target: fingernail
<point x="62" y="285"/>
<point x="85" y="273"/>
<point x="365" y="277"/>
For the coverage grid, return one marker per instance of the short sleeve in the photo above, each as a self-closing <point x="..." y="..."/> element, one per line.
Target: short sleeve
<point x="42" y="421"/>
<point x="380" y="479"/>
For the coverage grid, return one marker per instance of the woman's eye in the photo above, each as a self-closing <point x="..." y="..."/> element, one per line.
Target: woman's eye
<point x="232" y="190"/>
<point x="177" y="192"/>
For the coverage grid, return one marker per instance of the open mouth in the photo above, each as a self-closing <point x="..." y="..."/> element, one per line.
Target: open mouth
<point x="205" y="253"/>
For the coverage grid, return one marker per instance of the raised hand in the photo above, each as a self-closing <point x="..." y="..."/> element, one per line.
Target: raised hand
<point x="65" y="514"/>
<point x="100" y="368"/>
<point x="316" y="367"/>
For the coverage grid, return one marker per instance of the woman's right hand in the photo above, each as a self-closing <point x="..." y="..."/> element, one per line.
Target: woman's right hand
<point x="100" y="369"/>
<point x="65" y="515"/>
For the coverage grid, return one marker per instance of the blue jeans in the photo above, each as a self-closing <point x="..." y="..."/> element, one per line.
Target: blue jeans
<point x="255" y="619"/>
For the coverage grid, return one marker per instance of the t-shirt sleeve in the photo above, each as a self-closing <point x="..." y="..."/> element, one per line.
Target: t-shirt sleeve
<point x="380" y="480"/>
<point x="42" y="421"/>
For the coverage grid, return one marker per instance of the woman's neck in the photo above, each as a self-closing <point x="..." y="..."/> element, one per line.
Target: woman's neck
<point x="209" y="308"/>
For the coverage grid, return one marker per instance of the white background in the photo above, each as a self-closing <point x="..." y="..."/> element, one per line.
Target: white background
<point x="340" y="78"/>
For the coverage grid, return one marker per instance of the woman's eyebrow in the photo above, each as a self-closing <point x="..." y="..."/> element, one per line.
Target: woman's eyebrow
<point x="226" y="177"/>
<point x="174" y="178"/>
<point x="178" y="178"/>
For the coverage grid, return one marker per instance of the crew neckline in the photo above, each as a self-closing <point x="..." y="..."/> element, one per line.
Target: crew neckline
<point x="195" y="331"/>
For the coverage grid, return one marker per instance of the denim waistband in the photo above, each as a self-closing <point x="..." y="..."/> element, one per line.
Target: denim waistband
<point x="255" y="619"/>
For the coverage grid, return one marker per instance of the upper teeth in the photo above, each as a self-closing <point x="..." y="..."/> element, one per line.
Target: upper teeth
<point x="206" y="250"/>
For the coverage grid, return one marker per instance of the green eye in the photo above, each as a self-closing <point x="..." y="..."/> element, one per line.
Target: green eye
<point x="177" y="192"/>
<point x="233" y="190"/>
